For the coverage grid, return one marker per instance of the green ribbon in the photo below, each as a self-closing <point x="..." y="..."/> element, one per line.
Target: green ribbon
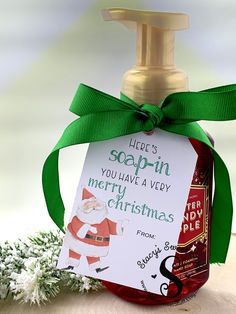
<point x="104" y="117"/>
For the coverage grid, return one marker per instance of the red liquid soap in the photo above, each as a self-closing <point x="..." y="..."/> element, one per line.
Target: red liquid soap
<point x="191" y="264"/>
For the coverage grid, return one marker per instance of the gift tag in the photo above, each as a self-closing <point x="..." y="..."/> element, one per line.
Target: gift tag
<point x="130" y="202"/>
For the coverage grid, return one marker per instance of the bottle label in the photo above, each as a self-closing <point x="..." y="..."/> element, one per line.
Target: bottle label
<point x="194" y="223"/>
<point x="129" y="204"/>
<point x="192" y="245"/>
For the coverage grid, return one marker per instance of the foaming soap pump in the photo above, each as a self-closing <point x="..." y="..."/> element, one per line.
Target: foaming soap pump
<point x="154" y="77"/>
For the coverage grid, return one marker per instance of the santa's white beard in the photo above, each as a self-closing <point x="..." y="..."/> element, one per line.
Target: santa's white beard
<point x="96" y="216"/>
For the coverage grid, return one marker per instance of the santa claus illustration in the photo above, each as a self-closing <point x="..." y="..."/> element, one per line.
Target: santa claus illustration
<point x="88" y="233"/>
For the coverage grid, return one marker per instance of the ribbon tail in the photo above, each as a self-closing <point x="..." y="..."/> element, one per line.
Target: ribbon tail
<point x="51" y="189"/>
<point x="222" y="212"/>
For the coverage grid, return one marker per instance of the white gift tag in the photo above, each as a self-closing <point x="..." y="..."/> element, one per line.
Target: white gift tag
<point x="130" y="202"/>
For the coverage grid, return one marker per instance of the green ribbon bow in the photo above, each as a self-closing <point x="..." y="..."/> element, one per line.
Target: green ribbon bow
<point x="104" y="117"/>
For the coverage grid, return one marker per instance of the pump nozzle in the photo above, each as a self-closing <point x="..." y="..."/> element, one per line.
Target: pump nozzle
<point x="154" y="76"/>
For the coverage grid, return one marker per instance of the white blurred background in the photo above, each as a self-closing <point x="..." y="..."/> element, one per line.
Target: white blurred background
<point x="48" y="47"/>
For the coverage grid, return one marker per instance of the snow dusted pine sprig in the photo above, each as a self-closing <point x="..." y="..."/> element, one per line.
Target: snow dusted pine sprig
<point x="28" y="270"/>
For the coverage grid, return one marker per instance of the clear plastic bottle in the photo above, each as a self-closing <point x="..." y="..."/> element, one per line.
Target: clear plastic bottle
<point x="153" y="78"/>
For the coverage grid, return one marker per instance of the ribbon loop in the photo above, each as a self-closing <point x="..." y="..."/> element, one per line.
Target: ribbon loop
<point x="154" y="115"/>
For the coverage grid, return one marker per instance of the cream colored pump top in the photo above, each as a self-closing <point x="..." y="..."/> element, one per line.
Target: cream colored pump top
<point x="154" y="76"/>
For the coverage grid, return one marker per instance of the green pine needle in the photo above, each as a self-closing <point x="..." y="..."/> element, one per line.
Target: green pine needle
<point x="28" y="270"/>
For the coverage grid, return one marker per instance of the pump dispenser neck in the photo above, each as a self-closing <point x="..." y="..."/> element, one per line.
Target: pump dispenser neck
<point x="154" y="75"/>
<point x="155" y="47"/>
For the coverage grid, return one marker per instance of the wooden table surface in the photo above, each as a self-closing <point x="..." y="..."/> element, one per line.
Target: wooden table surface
<point x="218" y="296"/>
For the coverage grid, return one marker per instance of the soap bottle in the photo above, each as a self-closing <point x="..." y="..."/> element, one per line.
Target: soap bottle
<point x="152" y="78"/>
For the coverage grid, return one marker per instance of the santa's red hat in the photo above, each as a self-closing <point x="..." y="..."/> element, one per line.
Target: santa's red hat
<point x="86" y="194"/>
